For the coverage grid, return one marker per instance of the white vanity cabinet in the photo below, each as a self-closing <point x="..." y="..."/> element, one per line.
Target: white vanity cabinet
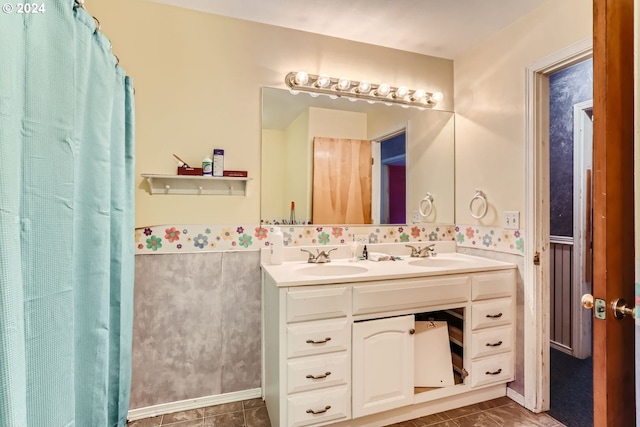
<point x="344" y="354"/>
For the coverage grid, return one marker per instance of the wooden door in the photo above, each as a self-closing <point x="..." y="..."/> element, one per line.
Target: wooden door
<point x="613" y="207"/>
<point x="341" y="181"/>
<point x="382" y="364"/>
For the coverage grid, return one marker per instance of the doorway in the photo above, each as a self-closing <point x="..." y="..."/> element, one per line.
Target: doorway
<point x="393" y="179"/>
<point x="570" y="213"/>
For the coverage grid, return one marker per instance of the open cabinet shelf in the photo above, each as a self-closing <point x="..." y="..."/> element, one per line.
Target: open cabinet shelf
<point x="194" y="184"/>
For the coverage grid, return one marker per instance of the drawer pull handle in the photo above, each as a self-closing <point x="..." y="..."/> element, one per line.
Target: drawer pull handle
<point x="318" y="377"/>
<point x="495" y="344"/>
<point x="319" y="342"/>
<point x="494" y="316"/>
<point x="321" y="411"/>
<point x="494" y="372"/>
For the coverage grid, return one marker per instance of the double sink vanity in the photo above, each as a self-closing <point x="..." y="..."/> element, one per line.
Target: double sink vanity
<point x="343" y="341"/>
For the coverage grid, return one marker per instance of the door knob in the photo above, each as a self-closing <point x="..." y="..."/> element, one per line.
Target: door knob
<point x="620" y="309"/>
<point x="618" y="306"/>
<point x="587" y="301"/>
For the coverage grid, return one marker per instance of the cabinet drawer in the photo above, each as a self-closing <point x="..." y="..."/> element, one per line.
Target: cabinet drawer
<point x="320" y="406"/>
<point x="306" y="339"/>
<point x="492" y="370"/>
<point x="491" y="341"/>
<point x="493" y="313"/>
<point x="311" y="373"/>
<point x="403" y="294"/>
<point x="492" y="285"/>
<point x="317" y="303"/>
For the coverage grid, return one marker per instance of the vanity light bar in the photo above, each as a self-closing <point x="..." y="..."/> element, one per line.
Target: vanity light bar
<point x="353" y="90"/>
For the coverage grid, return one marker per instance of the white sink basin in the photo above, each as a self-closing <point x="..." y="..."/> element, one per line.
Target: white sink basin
<point x="438" y="262"/>
<point x="332" y="270"/>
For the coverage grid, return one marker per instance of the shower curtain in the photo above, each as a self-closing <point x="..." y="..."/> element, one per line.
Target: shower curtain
<point x="66" y="221"/>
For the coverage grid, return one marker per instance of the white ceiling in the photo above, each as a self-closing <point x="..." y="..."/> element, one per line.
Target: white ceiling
<point x="443" y="28"/>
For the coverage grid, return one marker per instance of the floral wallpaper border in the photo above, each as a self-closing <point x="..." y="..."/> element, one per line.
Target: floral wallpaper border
<point x="165" y="239"/>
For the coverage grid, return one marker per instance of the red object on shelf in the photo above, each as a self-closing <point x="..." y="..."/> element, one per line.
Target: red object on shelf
<point x="238" y="174"/>
<point x="189" y="171"/>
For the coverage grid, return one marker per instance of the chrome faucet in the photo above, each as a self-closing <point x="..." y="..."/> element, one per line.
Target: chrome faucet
<point x="319" y="257"/>
<point x="417" y="252"/>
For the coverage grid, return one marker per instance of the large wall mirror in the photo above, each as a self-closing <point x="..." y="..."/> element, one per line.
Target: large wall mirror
<point x="362" y="163"/>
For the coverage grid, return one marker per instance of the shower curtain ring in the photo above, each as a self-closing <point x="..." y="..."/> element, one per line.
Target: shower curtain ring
<point x="98" y="25"/>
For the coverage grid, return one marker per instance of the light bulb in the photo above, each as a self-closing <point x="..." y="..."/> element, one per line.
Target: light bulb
<point x="294" y="92"/>
<point x="419" y="95"/>
<point x="301" y="78"/>
<point x="401" y="92"/>
<point x="314" y="95"/>
<point x="323" y="81"/>
<point x="364" y="87"/>
<point x="383" y="89"/>
<point x="344" y="84"/>
<point x="437" y="97"/>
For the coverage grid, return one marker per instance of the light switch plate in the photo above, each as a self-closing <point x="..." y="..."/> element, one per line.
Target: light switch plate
<point x="511" y="220"/>
<point x="363" y="239"/>
<point x="416" y="217"/>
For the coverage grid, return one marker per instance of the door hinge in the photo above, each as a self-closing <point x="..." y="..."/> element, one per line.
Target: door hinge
<point x="372" y="160"/>
<point x="536" y="258"/>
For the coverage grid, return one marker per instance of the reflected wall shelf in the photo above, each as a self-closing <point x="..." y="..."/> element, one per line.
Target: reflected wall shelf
<point x="194" y="184"/>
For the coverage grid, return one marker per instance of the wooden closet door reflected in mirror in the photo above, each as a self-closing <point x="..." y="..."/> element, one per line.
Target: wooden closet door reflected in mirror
<point x="341" y="181"/>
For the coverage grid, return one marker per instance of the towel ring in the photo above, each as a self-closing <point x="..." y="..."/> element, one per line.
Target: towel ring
<point x="429" y="200"/>
<point x="479" y="196"/>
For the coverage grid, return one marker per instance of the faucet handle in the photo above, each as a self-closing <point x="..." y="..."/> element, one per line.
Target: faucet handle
<point x="414" y="251"/>
<point x="312" y="257"/>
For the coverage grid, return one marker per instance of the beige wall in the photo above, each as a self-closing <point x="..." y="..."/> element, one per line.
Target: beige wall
<point x="273" y="151"/>
<point x="490" y="105"/>
<point x="198" y="77"/>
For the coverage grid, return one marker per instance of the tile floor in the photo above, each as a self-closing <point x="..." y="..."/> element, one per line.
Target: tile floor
<point x="501" y="412"/>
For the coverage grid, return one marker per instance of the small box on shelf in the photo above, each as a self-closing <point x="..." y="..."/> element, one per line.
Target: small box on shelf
<point x="189" y="171"/>
<point x="236" y="174"/>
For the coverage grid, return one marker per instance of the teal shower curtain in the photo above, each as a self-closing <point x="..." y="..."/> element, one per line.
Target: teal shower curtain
<point x="66" y="221"/>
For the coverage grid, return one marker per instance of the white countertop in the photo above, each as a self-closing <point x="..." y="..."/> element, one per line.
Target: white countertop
<point x="298" y="272"/>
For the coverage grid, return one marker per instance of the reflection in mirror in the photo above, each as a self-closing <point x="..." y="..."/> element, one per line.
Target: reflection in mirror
<point x="291" y="184"/>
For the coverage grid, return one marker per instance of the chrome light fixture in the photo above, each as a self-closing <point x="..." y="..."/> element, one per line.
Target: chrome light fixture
<point x="315" y="85"/>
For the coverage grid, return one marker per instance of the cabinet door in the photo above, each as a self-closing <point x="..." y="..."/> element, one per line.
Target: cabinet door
<point x="382" y="364"/>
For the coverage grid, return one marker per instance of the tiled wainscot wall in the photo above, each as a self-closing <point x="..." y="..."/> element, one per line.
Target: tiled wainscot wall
<point x="197" y="313"/>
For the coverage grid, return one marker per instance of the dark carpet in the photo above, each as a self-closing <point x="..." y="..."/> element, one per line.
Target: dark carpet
<point x="571" y="390"/>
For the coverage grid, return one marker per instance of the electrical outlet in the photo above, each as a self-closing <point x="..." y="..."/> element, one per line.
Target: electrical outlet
<point x="511" y="219"/>
<point x="363" y="239"/>
<point x="416" y="217"/>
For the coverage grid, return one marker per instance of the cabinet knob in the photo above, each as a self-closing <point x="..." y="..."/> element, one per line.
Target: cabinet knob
<point x="412" y="331"/>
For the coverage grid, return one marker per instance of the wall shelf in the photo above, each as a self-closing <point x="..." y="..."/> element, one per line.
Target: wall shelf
<point x="194" y="184"/>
